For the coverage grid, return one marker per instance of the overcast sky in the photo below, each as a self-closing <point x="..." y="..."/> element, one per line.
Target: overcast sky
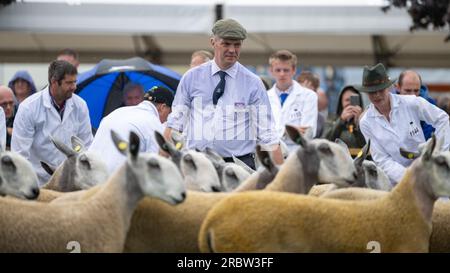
<point x="234" y="2"/>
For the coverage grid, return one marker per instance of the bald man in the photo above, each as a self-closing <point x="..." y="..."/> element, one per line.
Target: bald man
<point x="410" y="83"/>
<point x="7" y="102"/>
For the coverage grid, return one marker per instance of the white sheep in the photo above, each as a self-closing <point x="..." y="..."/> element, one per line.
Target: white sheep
<point x="81" y="170"/>
<point x="284" y="222"/>
<point x="157" y="227"/>
<point x="99" y="223"/>
<point x="198" y="171"/>
<point x="231" y="175"/>
<point x="17" y="177"/>
<point x="368" y="174"/>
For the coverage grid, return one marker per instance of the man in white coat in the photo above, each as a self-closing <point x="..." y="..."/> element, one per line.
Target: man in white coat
<point x="143" y="119"/>
<point x="393" y="122"/>
<point x="2" y="130"/>
<point x="54" y="112"/>
<point x="291" y="103"/>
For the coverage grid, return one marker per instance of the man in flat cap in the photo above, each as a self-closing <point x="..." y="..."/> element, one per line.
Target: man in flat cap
<point x="393" y="122"/>
<point x="224" y="105"/>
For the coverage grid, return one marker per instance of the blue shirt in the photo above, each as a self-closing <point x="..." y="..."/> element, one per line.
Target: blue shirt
<point x="241" y="119"/>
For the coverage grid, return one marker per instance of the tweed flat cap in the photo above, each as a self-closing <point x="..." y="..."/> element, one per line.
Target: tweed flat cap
<point x="229" y="29"/>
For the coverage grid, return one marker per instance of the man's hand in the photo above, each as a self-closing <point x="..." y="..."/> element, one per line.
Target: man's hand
<point x="303" y="129"/>
<point x="277" y="155"/>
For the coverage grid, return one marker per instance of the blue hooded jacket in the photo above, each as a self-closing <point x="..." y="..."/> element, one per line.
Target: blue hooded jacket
<point x="428" y="130"/>
<point x="22" y="74"/>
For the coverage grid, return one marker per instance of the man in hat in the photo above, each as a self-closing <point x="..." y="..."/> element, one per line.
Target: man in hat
<point x="393" y="122"/>
<point x="222" y="105"/>
<point x="143" y="119"/>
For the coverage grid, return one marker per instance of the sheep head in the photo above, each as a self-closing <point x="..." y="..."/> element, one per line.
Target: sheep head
<point x="199" y="172"/>
<point x="325" y="160"/>
<point x="17" y="176"/>
<point x="432" y="168"/>
<point x="82" y="169"/>
<point x="155" y="175"/>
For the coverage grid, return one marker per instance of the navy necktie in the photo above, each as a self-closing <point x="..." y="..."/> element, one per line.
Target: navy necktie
<point x="283" y="97"/>
<point x="220" y="88"/>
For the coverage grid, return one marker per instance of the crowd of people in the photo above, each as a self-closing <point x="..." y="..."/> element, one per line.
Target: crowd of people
<point x="220" y="104"/>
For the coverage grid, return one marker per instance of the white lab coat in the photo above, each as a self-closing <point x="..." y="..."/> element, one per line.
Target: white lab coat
<point x="143" y="119"/>
<point x="2" y="130"/>
<point x="37" y="120"/>
<point x="299" y="109"/>
<point x="403" y="130"/>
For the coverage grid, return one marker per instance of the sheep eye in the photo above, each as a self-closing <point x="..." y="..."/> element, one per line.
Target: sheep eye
<point x="6" y="160"/>
<point x="188" y="158"/>
<point x="440" y="160"/>
<point x="324" y="148"/>
<point x="153" y="163"/>
<point x="230" y="172"/>
<point x="372" y="171"/>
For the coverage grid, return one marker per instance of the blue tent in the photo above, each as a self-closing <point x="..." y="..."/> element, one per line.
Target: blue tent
<point x="101" y="87"/>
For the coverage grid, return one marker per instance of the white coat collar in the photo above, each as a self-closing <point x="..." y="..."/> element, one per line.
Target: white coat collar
<point x="279" y="92"/>
<point x="232" y="71"/>
<point x="149" y="107"/>
<point x="47" y="102"/>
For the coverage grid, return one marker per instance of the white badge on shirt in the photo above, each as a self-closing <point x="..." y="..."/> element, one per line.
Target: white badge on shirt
<point x="294" y="112"/>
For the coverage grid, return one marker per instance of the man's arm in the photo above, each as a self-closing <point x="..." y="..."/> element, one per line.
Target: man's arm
<point x="262" y="117"/>
<point x="309" y="115"/>
<point x="392" y="168"/>
<point x="437" y="118"/>
<point x="22" y="139"/>
<point x="180" y="107"/>
<point x="85" y="129"/>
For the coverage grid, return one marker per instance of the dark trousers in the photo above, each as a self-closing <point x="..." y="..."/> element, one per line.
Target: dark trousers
<point x="248" y="159"/>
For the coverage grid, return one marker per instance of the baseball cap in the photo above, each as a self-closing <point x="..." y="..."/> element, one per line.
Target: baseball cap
<point x="160" y="94"/>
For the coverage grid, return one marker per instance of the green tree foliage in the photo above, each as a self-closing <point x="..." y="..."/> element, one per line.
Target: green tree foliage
<point x="425" y="13"/>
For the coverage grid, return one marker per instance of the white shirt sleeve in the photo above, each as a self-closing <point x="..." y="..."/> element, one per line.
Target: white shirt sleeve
<point x="393" y="169"/>
<point x="2" y="129"/>
<point x="23" y="133"/>
<point x="437" y="118"/>
<point x="310" y="113"/>
<point x="261" y="112"/>
<point x="180" y="107"/>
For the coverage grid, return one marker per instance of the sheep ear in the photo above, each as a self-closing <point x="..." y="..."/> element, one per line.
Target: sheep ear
<point x="77" y="144"/>
<point x="120" y="144"/>
<point x="63" y="147"/>
<point x="342" y="144"/>
<point x="363" y="154"/>
<point x="177" y="138"/>
<point x="408" y="155"/>
<point x="295" y="135"/>
<point x="214" y="155"/>
<point x="47" y="168"/>
<point x="265" y="159"/>
<point x="429" y="148"/>
<point x="134" y="145"/>
<point x="84" y="160"/>
<point x="165" y="145"/>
